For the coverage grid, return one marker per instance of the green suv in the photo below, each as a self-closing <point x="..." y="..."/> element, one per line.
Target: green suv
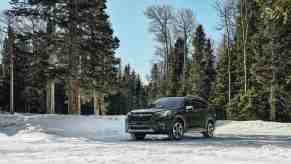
<point x="172" y="116"/>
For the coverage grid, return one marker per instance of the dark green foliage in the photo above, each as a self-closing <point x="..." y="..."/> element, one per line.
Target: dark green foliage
<point x="220" y="95"/>
<point x="4" y="81"/>
<point x="65" y="40"/>
<point x="98" y="47"/>
<point x="202" y="74"/>
<point x="197" y="67"/>
<point x="268" y="65"/>
<point x="84" y="46"/>
<point x="4" y="96"/>
<point x="131" y="94"/>
<point x="209" y="70"/>
<point x="117" y="104"/>
<point x="199" y="42"/>
<point x="250" y="106"/>
<point x="154" y="84"/>
<point x="176" y="67"/>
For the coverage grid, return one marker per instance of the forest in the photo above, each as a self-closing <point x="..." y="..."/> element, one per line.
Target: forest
<point x="62" y="57"/>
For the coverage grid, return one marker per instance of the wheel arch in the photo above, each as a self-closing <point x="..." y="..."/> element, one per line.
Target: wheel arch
<point x="182" y="119"/>
<point x="209" y="119"/>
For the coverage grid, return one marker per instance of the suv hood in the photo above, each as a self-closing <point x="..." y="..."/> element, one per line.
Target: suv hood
<point x="152" y="110"/>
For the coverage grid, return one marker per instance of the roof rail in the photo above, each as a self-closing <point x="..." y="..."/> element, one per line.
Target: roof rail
<point x="197" y="98"/>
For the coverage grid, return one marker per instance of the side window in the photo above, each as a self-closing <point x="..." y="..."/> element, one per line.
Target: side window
<point x="188" y="103"/>
<point x="199" y="105"/>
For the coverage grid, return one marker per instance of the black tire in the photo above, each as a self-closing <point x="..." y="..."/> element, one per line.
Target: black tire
<point x="209" y="130"/>
<point x="138" y="136"/>
<point x="177" y="130"/>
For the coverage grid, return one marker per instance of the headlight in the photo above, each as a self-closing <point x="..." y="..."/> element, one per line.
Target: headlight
<point x="128" y="114"/>
<point x="166" y="113"/>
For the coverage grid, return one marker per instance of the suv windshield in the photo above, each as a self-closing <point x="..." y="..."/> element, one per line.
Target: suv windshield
<point x="169" y="103"/>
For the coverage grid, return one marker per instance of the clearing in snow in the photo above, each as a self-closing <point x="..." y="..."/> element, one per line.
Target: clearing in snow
<point x="58" y="139"/>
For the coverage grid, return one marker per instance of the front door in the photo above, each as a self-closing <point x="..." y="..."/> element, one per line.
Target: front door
<point x="193" y="115"/>
<point x="189" y="113"/>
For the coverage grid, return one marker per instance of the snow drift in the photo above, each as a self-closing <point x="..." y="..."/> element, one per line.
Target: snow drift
<point x="58" y="139"/>
<point x="90" y="127"/>
<point x="102" y="127"/>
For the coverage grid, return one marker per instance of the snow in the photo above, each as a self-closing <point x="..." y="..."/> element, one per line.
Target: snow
<point x="255" y="128"/>
<point x="58" y="139"/>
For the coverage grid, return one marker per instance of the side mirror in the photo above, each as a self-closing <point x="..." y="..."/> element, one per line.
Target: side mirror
<point x="189" y="108"/>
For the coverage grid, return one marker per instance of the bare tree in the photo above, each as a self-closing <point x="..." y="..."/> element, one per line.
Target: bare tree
<point x="161" y="18"/>
<point x="244" y="27"/>
<point x="226" y="11"/>
<point x="185" y="23"/>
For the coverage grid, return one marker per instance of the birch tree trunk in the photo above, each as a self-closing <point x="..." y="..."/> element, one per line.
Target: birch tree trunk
<point x="272" y="87"/>
<point x="244" y="25"/>
<point x="227" y="24"/>
<point x="50" y="96"/>
<point x="95" y="102"/>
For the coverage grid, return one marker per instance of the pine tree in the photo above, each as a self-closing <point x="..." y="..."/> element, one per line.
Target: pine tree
<point x="154" y="83"/>
<point x="176" y="67"/>
<point x="82" y="47"/>
<point x="199" y="41"/>
<point x="220" y="96"/>
<point x="197" y="73"/>
<point x="4" y="84"/>
<point x="99" y="60"/>
<point x="209" y="71"/>
<point x="130" y="94"/>
<point x="267" y="62"/>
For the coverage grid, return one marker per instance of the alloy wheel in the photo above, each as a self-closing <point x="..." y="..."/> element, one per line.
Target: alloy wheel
<point x="178" y="130"/>
<point x="210" y="129"/>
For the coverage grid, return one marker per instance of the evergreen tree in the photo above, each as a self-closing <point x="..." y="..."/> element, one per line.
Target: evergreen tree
<point x="176" y="67"/>
<point x="4" y="84"/>
<point x="131" y="94"/>
<point x="196" y="73"/>
<point x="220" y="96"/>
<point x="98" y="47"/>
<point x="209" y="71"/>
<point x="154" y="87"/>
<point x="65" y="40"/>
<point x="267" y="61"/>
<point x="202" y="72"/>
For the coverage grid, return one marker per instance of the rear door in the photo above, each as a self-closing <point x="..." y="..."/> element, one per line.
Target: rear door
<point x="203" y="113"/>
<point x="200" y="112"/>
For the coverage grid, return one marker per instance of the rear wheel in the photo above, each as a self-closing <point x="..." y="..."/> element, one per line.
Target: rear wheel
<point x="210" y="130"/>
<point x="138" y="136"/>
<point x="177" y="130"/>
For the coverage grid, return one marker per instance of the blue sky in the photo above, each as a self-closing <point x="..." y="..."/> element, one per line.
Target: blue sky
<point x="131" y="27"/>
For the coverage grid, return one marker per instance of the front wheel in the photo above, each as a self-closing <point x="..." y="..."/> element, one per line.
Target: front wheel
<point x="138" y="136"/>
<point x="210" y="130"/>
<point x="177" y="131"/>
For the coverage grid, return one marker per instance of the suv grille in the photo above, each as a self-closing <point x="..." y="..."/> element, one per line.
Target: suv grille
<point x="139" y="127"/>
<point x="140" y="117"/>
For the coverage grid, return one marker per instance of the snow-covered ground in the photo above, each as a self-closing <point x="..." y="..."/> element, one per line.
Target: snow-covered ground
<point x="56" y="139"/>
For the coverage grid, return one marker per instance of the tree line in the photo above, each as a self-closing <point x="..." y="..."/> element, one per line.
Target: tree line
<point x="64" y="56"/>
<point x="248" y="76"/>
<point x="254" y="60"/>
<point x="71" y="43"/>
<point x="185" y="56"/>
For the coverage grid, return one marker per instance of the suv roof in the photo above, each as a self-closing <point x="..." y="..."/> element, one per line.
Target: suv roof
<point x="196" y="98"/>
<point x="191" y="97"/>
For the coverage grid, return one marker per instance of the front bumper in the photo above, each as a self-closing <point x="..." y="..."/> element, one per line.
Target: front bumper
<point x="151" y="126"/>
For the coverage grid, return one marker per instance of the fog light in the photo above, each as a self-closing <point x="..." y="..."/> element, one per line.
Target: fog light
<point x="162" y="125"/>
